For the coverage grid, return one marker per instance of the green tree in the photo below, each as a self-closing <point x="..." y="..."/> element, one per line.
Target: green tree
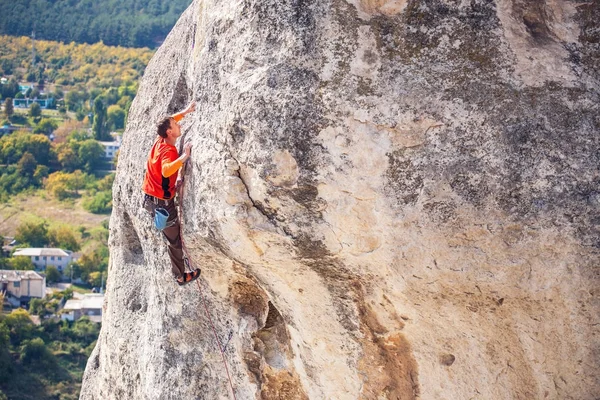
<point x="85" y="330"/>
<point x="37" y="307"/>
<point x="63" y="238"/>
<point x="124" y="102"/>
<point x="4" y="262"/>
<point x="57" y="184"/>
<point x="74" y="100"/>
<point x="41" y="172"/>
<point x="19" y="326"/>
<point x="90" y="154"/>
<point x="27" y="165"/>
<point x="116" y="117"/>
<point x="13" y="146"/>
<point x="106" y="183"/>
<point x="73" y="271"/>
<point x="111" y="96"/>
<point x="10" y="89"/>
<point x="45" y="126"/>
<point x="99" y="126"/>
<point x="67" y="293"/>
<point x="93" y="262"/>
<point x="21" y="263"/>
<point x="77" y="181"/>
<point x="35" y="354"/>
<point x="100" y="203"/>
<point x="95" y="278"/>
<point x="53" y="275"/>
<point x="8" y="107"/>
<point x="6" y="361"/>
<point x="35" y="234"/>
<point x="35" y="110"/>
<point x="67" y="157"/>
<point x="58" y="93"/>
<point x="63" y="185"/>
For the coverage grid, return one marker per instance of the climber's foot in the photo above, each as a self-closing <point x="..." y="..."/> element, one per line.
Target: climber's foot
<point x="188" y="277"/>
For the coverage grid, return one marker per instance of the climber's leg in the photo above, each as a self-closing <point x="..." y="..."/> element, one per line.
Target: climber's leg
<point x="174" y="247"/>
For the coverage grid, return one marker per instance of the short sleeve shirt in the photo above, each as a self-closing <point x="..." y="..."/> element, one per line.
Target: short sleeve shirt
<point x="155" y="184"/>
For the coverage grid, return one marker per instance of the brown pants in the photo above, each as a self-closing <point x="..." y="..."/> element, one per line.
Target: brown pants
<point x="171" y="233"/>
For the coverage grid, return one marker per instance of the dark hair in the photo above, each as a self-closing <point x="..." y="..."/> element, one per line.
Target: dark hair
<point x="163" y="126"/>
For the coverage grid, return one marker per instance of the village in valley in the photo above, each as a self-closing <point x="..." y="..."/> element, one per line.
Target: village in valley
<point x="62" y="113"/>
<point x="19" y="287"/>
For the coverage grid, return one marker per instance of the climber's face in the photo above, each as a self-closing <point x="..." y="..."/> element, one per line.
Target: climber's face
<point x="175" y="130"/>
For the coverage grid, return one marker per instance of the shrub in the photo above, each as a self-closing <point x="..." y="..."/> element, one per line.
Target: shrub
<point x="45" y="126"/>
<point x="100" y="203"/>
<point x="21" y="263"/>
<point x="35" y="353"/>
<point x="53" y="275"/>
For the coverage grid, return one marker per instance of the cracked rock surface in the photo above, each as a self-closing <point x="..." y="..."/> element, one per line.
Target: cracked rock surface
<point x="388" y="199"/>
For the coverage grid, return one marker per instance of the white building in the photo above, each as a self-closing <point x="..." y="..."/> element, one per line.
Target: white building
<point x="22" y="285"/>
<point x="90" y="305"/>
<point x="42" y="257"/>
<point x="111" y="148"/>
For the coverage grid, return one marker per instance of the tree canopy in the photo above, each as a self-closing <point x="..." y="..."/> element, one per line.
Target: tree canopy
<point x="34" y="234"/>
<point x="129" y="23"/>
<point x="78" y="67"/>
<point x="12" y="147"/>
<point x="46" y="361"/>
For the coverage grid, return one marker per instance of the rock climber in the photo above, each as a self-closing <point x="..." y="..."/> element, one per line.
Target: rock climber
<point x="160" y="184"/>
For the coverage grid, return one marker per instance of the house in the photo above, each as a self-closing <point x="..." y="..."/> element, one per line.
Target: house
<point x="26" y="103"/>
<point x="42" y="257"/>
<point x="111" y="148"/>
<point x="90" y="305"/>
<point x="21" y="286"/>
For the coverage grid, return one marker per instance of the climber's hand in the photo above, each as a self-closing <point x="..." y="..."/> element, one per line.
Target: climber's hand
<point x="187" y="150"/>
<point x="191" y="107"/>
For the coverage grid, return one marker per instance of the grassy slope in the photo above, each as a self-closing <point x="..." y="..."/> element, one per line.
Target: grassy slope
<point x="27" y="207"/>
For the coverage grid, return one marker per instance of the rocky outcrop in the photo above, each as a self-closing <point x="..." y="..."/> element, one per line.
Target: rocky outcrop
<point x="388" y="200"/>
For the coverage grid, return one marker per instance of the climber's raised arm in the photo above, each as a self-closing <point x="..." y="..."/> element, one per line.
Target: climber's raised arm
<point x="179" y="116"/>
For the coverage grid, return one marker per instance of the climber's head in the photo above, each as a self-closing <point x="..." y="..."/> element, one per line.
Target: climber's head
<point x="169" y="127"/>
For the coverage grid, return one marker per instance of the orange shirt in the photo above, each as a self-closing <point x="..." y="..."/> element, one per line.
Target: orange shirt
<point x="161" y="170"/>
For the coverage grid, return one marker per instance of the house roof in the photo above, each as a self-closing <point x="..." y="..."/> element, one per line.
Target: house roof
<point x="115" y="143"/>
<point x="91" y="301"/>
<point x="17" y="276"/>
<point x="73" y="304"/>
<point x="35" y="251"/>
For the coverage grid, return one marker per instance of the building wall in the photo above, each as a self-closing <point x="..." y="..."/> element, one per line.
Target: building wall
<point x="44" y="261"/>
<point x="36" y="288"/>
<point x="29" y="288"/>
<point x="14" y="288"/>
<point x="110" y="150"/>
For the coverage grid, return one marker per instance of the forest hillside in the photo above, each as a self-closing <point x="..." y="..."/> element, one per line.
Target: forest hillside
<point x="130" y="23"/>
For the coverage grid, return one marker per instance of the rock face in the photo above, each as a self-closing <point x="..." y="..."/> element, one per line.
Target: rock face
<point x="388" y="200"/>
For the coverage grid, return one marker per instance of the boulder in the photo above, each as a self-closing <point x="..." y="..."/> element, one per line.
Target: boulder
<point x="388" y="199"/>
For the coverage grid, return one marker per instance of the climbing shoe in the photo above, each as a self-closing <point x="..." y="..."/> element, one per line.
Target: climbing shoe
<point x="188" y="277"/>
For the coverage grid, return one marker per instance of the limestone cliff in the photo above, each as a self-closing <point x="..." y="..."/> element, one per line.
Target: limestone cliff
<point x="388" y="199"/>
